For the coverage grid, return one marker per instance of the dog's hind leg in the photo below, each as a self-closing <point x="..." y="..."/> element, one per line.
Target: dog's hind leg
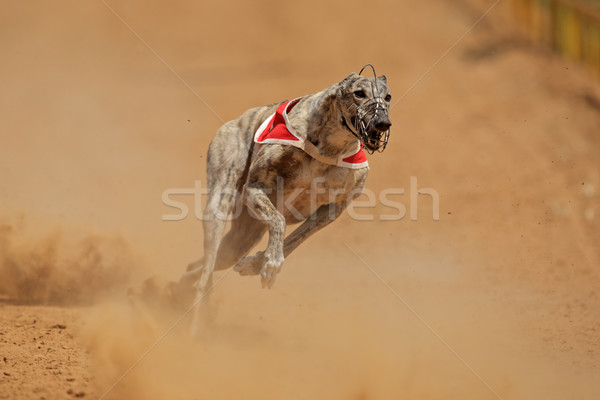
<point x="215" y="218"/>
<point x="226" y="162"/>
<point x="246" y="231"/>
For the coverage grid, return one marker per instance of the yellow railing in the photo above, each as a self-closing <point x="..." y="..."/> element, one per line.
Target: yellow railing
<point x="571" y="27"/>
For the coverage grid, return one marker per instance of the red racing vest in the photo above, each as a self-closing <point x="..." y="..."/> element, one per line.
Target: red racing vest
<point x="277" y="130"/>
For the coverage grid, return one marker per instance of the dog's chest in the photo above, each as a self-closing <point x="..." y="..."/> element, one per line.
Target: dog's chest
<point x="316" y="185"/>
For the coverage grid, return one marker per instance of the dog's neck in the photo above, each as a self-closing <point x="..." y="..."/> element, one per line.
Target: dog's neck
<point x="320" y="119"/>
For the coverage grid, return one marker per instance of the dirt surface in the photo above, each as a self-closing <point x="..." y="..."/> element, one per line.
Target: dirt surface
<point x="40" y="357"/>
<point x="101" y="110"/>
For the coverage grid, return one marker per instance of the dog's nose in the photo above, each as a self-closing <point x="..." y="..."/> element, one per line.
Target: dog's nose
<point x="383" y="125"/>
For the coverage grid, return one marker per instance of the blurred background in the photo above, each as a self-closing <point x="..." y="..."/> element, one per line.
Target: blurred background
<point x="572" y="28"/>
<point x="106" y="104"/>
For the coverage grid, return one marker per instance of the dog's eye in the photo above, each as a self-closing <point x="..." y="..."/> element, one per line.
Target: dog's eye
<point x="359" y="94"/>
<point x="388" y="97"/>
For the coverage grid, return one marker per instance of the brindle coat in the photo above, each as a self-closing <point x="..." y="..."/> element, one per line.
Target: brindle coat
<point x="236" y="167"/>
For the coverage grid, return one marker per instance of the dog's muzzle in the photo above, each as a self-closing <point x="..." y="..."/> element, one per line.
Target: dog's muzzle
<point x="371" y="125"/>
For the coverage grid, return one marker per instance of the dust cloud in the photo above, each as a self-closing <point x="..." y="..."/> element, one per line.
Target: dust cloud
<point x="246" y="353"/>
<point x="62" y="268"/>
<point x="306" y="343"/>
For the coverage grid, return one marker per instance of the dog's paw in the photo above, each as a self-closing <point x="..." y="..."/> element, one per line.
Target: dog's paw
<point x="250" y="265"/>
<point x="269" y="271"/>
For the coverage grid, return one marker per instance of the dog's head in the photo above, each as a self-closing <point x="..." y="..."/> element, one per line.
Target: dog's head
<point x="365" y="104"/>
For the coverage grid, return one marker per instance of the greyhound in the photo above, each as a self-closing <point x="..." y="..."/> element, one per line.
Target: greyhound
<point x="296" y="161"/>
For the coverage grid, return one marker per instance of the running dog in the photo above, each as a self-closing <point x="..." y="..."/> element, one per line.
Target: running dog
<point x="301" y="160"/>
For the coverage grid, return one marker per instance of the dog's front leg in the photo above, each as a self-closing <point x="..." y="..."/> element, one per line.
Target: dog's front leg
<point x="258" y="203"/>
<point x="324" y="215"/>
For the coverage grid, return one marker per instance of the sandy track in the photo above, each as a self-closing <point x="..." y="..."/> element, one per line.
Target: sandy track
<point x="40" y="357"/>
<point x="496" y="299"/>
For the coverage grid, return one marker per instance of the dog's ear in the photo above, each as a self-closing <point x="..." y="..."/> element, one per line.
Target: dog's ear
<point x="343" y="84"/>
<point x="383" y="78"/>
<point x="352" y="75"/>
